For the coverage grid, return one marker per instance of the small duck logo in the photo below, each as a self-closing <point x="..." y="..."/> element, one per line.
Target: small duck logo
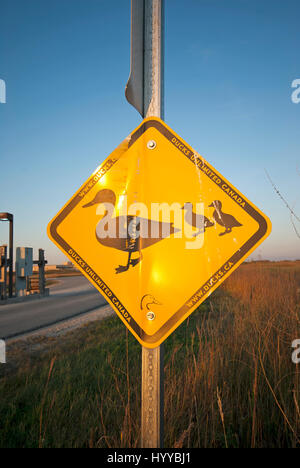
<point x="146" y="301"/>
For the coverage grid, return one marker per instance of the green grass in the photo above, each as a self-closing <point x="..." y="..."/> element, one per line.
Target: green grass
<point x="81" y="375"/>
<point x="229" y="379"/>
<point x="75" y="394"/>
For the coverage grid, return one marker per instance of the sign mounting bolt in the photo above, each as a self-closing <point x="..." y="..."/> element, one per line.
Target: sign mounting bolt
<point x="151" y="144"/>
<point x="150" y="315"/>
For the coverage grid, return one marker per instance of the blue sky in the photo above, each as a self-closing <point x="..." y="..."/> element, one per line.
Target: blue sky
<point x="228" y="73"/>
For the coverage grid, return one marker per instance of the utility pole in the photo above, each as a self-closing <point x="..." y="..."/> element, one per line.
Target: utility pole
<point x="145" y="91"/>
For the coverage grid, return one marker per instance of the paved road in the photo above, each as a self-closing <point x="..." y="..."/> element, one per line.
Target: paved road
<point x="70" y="297"/>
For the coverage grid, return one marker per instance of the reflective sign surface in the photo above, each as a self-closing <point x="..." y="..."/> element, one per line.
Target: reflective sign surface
<point x="156" y="229"/>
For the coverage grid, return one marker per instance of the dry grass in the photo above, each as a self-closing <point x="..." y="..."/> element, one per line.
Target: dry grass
<point x="239" y="377"/>
<point x="229" y="378"/>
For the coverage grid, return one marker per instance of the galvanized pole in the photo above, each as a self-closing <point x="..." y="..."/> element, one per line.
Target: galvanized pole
<point x="154" y="59"/>
<point x="145" y="91"/>
<point x="152" y="359"/>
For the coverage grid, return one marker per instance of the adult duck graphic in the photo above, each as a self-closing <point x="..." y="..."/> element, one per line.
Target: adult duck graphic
<point x="131" y="233"/>
<point x="198" y="221"/>
<point x="223" y="219"/>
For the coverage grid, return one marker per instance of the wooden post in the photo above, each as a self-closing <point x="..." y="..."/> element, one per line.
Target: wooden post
<point x="3" y="272"/>
<point x="42" y="281"/>
<point x="153" y="359"/>
<point x="11" y="255"/>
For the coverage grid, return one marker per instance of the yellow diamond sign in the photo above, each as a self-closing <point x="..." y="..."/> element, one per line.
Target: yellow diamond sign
<point x="156" y="229"/>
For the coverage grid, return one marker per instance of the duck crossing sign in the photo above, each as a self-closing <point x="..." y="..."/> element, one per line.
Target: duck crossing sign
<point x="156" y="229"/>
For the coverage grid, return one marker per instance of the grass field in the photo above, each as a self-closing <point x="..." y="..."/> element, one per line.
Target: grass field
<point x="229" y="377"/>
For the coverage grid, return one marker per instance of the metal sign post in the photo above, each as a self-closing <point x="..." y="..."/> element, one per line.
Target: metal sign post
<point x="145" y="91"/>
<point x="153" y="359"/>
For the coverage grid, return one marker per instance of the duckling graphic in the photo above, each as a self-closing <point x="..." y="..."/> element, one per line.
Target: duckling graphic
<point x="223" y="219"/>
<point x="131" y="233"/>
<point x="196" y="220"/>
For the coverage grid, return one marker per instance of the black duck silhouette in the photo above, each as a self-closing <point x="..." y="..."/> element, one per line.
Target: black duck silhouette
<point x="130" y="233"/>
<point x="223" y="219"/>
<point x="198" y="221"/>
